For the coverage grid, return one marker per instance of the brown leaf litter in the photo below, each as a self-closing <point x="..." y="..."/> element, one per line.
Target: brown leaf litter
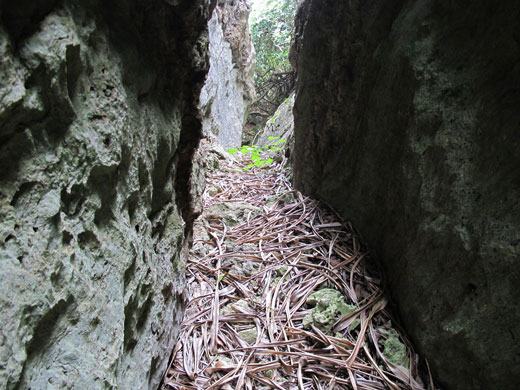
<point x="284" y="296"/>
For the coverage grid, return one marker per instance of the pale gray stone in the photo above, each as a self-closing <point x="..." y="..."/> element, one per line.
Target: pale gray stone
<point x="228" y="90"/>
<point x="281" y="126"/>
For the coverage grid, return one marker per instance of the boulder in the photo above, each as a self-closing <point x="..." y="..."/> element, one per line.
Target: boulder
<point x="406" y="122"/>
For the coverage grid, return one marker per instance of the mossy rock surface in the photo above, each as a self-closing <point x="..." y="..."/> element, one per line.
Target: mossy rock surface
<point x="393" y="348"/>
<point x="412" y="134"/>
<point x="328" y="307"/>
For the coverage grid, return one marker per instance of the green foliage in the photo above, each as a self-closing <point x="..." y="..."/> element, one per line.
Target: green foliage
<point x="259" y="155"/>
<point x="272" y="32"/>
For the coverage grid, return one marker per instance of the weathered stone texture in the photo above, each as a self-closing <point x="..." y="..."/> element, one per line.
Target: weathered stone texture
<point x="97" y="128"/>
<point x="407" y="122"/>
<point x="234" y="19"/>
<point x="229" y="87"/>
<point x="280" y="125"/>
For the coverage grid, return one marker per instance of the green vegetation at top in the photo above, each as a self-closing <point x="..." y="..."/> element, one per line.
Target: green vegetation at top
<point x="272" y="31"/>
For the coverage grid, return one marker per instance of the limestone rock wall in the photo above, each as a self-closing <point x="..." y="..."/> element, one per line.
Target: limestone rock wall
<point x="234" y="19"/>
<point x="97" y="130"/>
<point x="407" y="121"/>
<point x="280" y="125"/>
<point x="229" y="88"/>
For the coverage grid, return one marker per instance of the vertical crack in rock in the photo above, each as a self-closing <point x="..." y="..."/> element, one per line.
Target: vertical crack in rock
<point x="191" y="134"/>
<point x="191" y="129"/>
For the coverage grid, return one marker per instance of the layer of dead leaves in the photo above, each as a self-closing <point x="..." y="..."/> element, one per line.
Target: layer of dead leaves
<point x="254" y="279"/>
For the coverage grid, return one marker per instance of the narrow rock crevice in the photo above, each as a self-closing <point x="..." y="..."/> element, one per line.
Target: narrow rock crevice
<point x="191" y="134"/>
<point x="406" y="119"/>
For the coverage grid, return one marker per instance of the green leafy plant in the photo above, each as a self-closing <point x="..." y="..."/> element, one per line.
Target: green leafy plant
<point x="272" y="32"/>
<point x="259" y="155"/>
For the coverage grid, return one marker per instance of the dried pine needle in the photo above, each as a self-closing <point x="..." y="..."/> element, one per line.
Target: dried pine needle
<point x="249" y="323"/>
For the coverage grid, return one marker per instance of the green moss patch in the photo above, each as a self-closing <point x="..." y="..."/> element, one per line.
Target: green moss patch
<point x="328" y="307"/>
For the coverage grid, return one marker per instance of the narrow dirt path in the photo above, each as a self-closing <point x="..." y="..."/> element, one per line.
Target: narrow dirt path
<point x="282" y="295"/>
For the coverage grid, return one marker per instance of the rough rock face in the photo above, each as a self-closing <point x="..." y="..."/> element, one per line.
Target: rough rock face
<point x="97" y="128"/>
<point x="234" y="19"/>
<point x="280" y="125"/>
<point x="406" y="122"/>
<point x="229" y="88"/>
